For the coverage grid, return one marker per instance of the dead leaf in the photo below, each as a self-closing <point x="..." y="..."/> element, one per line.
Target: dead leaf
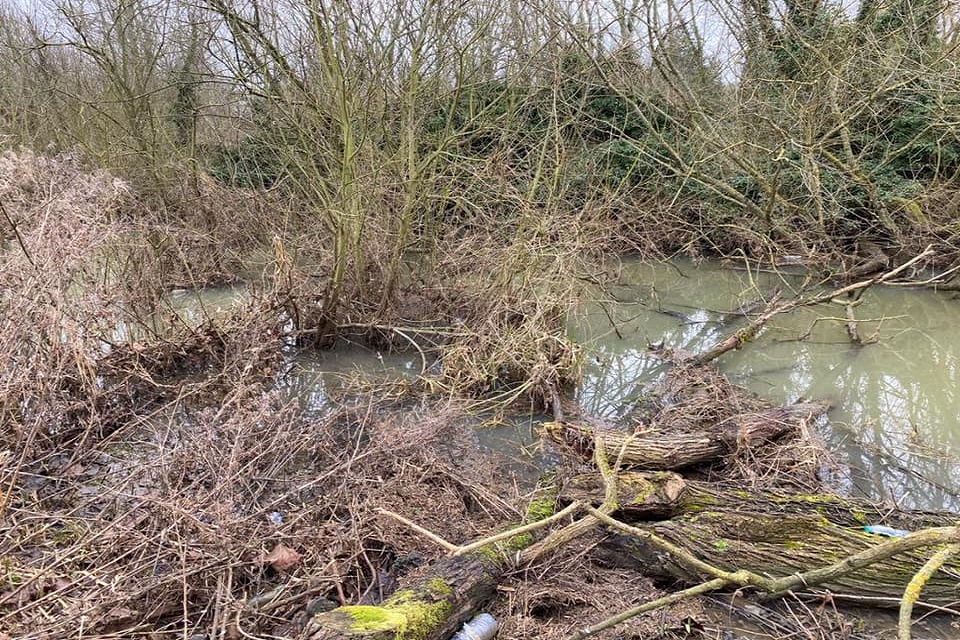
<point x="74" y="470"/>
<point x="62" y="583"/>
<point x="282" y="557"/>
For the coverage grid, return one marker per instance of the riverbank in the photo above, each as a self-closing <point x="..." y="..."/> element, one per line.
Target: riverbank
<point x="159" y="478"/>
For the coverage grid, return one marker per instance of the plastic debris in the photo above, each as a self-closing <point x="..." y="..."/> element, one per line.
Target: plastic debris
<point x="881" y="530"/>
<point x="482" y="627"/>
<point x="275" y="517"/>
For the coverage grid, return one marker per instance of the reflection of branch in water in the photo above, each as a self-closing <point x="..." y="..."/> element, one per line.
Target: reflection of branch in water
<point x="806" y="334"/>
<point x="617" y="383"/>
<point x="892" y="462"/>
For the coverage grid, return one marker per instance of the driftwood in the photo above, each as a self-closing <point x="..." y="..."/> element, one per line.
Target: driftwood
<point x="690" y="530"/>
<point x="653" y="448"/>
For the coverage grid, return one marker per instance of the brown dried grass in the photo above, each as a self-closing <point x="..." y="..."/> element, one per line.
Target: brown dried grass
<point x="576" y="587"/>
<point x="164" y="529"/>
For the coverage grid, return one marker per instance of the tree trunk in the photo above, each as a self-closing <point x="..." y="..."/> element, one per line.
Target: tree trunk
<point x="655" y="449"/>
<point x="771" y="533"/>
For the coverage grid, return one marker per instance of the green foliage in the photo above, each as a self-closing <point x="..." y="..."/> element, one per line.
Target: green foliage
<point x="610" y="139"/>
<point x="253" y="163"/>
<point x="807" y="39"/>
<point x="918" y="134"/>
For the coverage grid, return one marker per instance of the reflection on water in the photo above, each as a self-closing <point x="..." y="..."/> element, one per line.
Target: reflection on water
<point x="314" y="375"/>
<point x="895" y="421"/>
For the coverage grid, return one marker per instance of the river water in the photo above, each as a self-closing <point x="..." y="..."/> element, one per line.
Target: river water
<point x="893" y="430"/>
<point x="894" y="427"/>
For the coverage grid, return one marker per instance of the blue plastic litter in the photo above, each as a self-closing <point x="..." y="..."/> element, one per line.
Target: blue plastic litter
<point x="881" y="530"/>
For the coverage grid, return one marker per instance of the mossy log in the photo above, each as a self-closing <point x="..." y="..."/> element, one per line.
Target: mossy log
<point x="771" y="533"/>
<point x="653" y="448"/>
<point x="450" y="592"/>
<point x="778" y="545"/>
<point x="433" y="609"/>
<point x="661" y="495"/>
<point x="641" y="495"/>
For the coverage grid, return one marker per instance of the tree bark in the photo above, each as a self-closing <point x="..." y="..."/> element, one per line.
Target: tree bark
<point x="772" y="533"/>
<point x="432" y="609"/>
<point x="776" y="545"/>
<point x="666" y="450"/>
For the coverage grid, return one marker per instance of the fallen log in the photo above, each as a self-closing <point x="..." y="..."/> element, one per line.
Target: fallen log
<point x="451" y="591"/>
<point x="655" y="448"/>
<point x="433" y="609"/>
<point x="777" y="545"/>
<point x="771" y="533"/>
<point x="645" y="495"/>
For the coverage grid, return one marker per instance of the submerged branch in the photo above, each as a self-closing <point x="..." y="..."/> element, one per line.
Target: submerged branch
<point x="748" y="333"/>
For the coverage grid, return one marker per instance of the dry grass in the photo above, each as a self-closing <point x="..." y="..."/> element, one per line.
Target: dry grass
<point x="168" y="528"/>
<point x="577" y="587"/>
<point x="156" y="480"/>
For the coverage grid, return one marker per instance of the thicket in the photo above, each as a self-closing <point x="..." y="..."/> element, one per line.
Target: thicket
<point x="802" y="125"/>
<point x="383" y="153"/>
<point x="446" y="176"/>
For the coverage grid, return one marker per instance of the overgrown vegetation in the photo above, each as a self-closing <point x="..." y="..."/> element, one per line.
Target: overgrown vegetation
<point x="387" y="147"/>
<point x="430" y="175"/>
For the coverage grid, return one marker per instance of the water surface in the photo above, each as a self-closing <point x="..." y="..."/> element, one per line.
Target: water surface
<point x="893" y="429"/>
<point x="894" y="425"/>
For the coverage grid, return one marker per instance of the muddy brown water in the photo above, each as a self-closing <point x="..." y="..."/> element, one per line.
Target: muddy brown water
<point x="894" y="429"/>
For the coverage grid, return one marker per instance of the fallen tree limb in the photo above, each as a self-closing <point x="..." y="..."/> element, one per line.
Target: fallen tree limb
<point x="433" y="609"/>
<point x="748" y="333"/>
<point x="454" y="588"/>
<point x="660" y="496"/>
<point x="840" y="559"/>
<point x="653" y="448"/>
<point x="845" y="570"/>
<point x="917" y="583"/>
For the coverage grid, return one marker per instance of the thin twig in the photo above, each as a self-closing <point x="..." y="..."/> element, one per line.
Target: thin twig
<point x="16" y="232"/>
<point x="705" y="587"/>
<point x="448" y="546"/>
<point x="527" y="528"/>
